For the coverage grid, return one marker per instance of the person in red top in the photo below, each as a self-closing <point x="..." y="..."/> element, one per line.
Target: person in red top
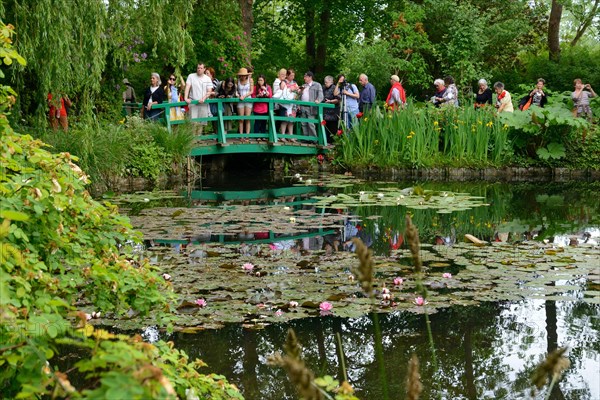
<point x="59" y="114"/>
<point x="264" y="91"/>
<point x="397" y="96"/>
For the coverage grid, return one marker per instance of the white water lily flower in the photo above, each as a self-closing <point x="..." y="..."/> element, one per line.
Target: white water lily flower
<point x="380" y="195"/>
<point x="298" y="176"/>
<point x="308" y="181"/>
<point x="293" y="220"/>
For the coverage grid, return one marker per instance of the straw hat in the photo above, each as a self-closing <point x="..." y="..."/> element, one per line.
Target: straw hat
<point x="243" y="71"/>
<point x="125" y="81"/>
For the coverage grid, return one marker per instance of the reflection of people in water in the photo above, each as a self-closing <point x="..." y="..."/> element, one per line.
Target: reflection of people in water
<point x="358" y="231"/>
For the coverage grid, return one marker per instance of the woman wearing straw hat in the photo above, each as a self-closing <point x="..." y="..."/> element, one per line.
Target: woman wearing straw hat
<point x="244" y="88"/>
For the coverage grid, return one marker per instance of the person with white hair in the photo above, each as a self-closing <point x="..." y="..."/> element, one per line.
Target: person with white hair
<point x="154" y="94"/>
<point x="396" y="98"/>
<point x="483" y="96"/>
<point x="503" y="101"/>
<point x="440" y="92"/>
<point x="368" y="94"/>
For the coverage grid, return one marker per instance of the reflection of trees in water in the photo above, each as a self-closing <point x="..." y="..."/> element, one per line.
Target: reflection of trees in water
<point x="473" y="344"/>
<point x="547" y="209"/>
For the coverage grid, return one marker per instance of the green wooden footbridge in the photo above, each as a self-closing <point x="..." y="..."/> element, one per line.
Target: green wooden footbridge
<point x="221" y="141"/>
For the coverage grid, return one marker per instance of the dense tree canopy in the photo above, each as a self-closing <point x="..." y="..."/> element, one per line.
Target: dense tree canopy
<point x="86" y="48"/>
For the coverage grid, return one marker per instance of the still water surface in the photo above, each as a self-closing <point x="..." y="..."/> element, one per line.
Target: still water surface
<point x="484" y="352"/>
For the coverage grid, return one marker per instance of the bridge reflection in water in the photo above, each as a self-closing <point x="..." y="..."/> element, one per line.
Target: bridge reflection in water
<point x="296" y="198"/>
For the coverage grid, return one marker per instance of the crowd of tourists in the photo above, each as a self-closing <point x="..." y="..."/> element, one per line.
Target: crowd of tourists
<point x="349" y="102"/>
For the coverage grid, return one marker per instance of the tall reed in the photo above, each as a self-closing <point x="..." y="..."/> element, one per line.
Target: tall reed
<point x="423" y="137"/>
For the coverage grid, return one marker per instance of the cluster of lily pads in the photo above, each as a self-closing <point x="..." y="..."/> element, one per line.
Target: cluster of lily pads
<point x="218" y="283"/>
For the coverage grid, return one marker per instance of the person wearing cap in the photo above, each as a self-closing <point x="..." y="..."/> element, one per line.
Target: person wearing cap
<point x="245" y="88"/>
<point x="198" y="87"/>
<point x="396" y="98"/>
<point x="128" y="96"/>
<point x="312" y="92"/>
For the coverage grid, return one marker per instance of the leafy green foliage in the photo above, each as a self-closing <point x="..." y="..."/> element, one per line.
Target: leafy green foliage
<point x="420" y="137"/>
<point x="553" y="150"/>
<point x="60" y="255"/>
<point x="135" y="148"/>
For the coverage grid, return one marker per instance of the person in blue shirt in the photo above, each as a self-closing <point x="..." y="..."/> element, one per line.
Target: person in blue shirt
<point x="367" y="96"/>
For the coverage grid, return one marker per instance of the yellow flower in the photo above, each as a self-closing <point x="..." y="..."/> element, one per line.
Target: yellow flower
<point x="435" y="123"/>
<point x="505" y="126"/>
<point x="376" y="141"/>
<point x="366" y="119"/>
<point x="390" y="116"/>
<point x="489" y="124"/>
<point x="412" y="133"/>
<point x="479" y="122"/>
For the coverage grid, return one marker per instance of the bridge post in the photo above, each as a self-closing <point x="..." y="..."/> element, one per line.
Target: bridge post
<point x="222" y="134"/>
<point x="271" y="122"/>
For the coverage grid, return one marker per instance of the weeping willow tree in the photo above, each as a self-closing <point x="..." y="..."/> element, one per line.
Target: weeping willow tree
<point x="82" y="47"/>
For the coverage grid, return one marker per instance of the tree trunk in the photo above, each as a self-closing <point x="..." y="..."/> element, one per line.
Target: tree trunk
<point x="554" y="30"/>
<point x="309" y="25"/>
<point x="247" y="23"/>
<point x="325" y="23"/>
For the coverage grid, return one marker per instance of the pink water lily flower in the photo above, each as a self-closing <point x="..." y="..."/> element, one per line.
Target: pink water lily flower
<point x="166" y="277"/>
<point x="201" y="303"/>
<point x="447" y="275"/>
<point x="325" y="306"/>
<point x="248" y="267"/>
<point x="420" y="301"/>
<point x="398" y="281"/>
<point x="293" y="304"/>
<point x="278" y="313"/>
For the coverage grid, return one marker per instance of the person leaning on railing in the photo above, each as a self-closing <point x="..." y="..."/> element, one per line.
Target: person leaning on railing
<point x="312" y="92"/>
<point x="154" y="94"/>
<point x="261" y="91"/>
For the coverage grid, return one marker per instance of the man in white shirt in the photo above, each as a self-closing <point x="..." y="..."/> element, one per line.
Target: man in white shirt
<point x="198" y="87"/>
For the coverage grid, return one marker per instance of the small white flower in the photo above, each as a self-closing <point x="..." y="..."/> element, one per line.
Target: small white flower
<point x="298" y="176"/>
<point x="88" y="316"/>
<point x="386" y="296"/>
<point x="385" y="290"/>
<point x="146" y="200"/>
<point x="380" y="195"/>
<point x="293" y="304"/>
<point x="309" y="181"/>
<point x="300" y="179"/>
<point x="286" y="208"/>
<point x="293" y="220"/>
<point x="361" y="193"/>
<point x="401" y="196"/>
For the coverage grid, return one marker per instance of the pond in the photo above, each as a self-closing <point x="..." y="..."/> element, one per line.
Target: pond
<point x="259" y="256"/>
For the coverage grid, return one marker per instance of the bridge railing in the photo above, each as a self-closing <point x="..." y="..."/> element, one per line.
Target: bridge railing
<point x="272" y="135"/>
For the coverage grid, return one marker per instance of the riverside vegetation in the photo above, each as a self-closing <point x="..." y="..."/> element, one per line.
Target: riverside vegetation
<point x="62" y="253"/>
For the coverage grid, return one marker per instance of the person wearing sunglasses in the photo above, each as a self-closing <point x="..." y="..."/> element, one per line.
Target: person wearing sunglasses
<point x="173" y="96"/>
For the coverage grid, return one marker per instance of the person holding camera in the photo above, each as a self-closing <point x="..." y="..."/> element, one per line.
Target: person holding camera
<point x="349" y="103"/>
<point x="536" y="97"/>
<point x="581" y="99"/>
